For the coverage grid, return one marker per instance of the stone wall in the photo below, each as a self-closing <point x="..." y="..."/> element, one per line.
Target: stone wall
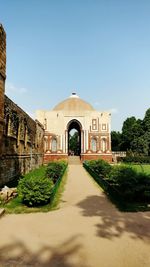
<point x="21" y="138"/>
<point x="22" y="146"/>
<point x="2" y="78"/>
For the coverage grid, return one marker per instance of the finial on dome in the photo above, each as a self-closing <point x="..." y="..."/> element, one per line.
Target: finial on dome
<point x="74" y="95"/>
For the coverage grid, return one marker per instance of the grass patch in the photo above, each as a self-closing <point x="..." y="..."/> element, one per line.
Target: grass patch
<point x="40" y="172"/>
<point x="141" y="167"/>
<point x="138" y="167"/>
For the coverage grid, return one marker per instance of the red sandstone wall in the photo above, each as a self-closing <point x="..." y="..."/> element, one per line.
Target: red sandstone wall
<point x="52" y="157"/>
<point x="106" y="157"/>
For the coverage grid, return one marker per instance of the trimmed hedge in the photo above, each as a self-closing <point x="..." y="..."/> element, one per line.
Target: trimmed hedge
<point x="121" y="181"/>
<point x="131" y="184"/>
<point x="99" y="166"/>
<point x="55" y="170"/>
<point x="64" y="165"/>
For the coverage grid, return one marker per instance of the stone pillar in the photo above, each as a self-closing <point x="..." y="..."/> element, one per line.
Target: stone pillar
<point x="66" y="140"/>
<point x="87" y="140"/>
<point x="82" y="141"/>
<point x="2" y="80"/>
<point x="61" y="142"/>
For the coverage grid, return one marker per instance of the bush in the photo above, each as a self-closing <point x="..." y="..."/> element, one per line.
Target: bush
<point x="34" y="190"/>
<point x="130" y="183"/>
<point x="136" y="159"/>
<point x="142" y="188"/>
<point x="99" y="166"/>
<point x="121" y="182"/>
<point x="121" y="175"/>
<point x="124" y="178"/>
<point x="55" y="170"/>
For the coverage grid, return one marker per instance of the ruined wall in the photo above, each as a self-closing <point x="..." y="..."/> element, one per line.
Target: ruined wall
<point x="2" y="79"/>
<point x="22" y="146"/>
<point x="21" y="138"/>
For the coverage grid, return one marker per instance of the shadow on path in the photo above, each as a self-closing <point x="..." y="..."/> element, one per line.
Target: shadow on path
<point x="113" y="223"/>
<point x="17" y="254"/>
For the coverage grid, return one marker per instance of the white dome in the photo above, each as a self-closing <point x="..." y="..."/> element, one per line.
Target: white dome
<point x="73" y="103"/>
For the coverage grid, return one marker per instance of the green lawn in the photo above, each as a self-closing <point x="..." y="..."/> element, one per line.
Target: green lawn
<point x="140" y="167"/>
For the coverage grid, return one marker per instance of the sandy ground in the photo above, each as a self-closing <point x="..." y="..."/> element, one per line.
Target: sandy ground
<point x="87" y="231"/>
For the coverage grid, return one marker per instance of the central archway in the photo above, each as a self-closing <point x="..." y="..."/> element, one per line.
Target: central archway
<point x="74" y="137"/>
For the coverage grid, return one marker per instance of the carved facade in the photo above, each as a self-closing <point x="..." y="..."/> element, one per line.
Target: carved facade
<point x="74" y="113"/>
<point x="21" y="138"/>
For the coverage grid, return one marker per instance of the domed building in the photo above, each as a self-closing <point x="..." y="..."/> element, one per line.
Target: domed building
<point x="73" y="103"/>
<point x="76" y="115"/>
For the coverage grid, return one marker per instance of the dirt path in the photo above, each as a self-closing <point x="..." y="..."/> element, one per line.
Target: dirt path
<point x="87" y="231"/>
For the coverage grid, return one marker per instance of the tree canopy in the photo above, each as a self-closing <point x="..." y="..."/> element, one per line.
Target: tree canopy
<point x="74" y="145"/>
<point x="135" y="136"/>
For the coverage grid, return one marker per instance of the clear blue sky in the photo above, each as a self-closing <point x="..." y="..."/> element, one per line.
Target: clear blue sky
<point x="100" y="49"/>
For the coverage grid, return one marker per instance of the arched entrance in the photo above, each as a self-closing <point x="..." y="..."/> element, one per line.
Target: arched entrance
<point x="73" y="120"/>
<point x="74" y="138"/>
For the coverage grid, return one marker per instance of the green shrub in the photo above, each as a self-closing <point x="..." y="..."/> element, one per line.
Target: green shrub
<point x="35" y="190"/>
<point x="122" y="175"/>
<point x="130" y="183"/>
<point x="99" y="166"/>
<point x="124" y="178"/>
<point x="136" y="159"/>
<point x="55" y="170"/>
<point x="121" y="181"/>
<point x="142" y="188"/>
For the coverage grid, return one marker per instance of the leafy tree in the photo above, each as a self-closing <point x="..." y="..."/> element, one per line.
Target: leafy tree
<point x="127" y="133"/>
<point x="135" y="136"/>
<point x="138" y="129"/>
<point x="146" y="120"/>
<point x="115" y="140"/>
<point x="146" y="126"/>
<point x="74" y="145"/>
<point x="141" y="141"/>
<point x="140" y="145"/>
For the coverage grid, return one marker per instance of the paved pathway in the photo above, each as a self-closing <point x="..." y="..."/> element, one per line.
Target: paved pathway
<point x="87" y="231"/>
